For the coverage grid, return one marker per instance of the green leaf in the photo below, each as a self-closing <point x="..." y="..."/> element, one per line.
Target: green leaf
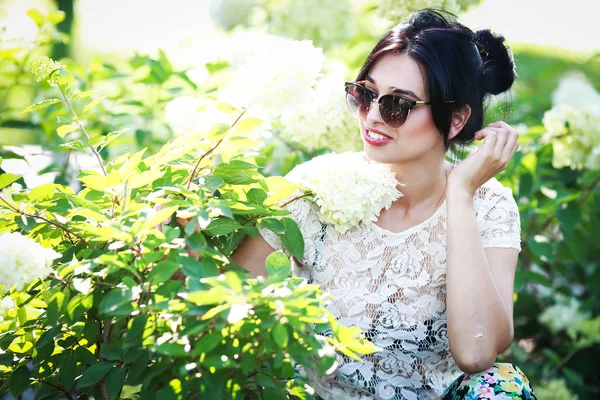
<point x="292" y="239"/>
<point x="93" y="104"/>
<point x="272" y="224"/>
<point x="55" y="306"/>
<point x="85" y="356"/>
<point x="234" y="281"/>
<point x="162" y="272"/>
<point x="43" y="192"/>
<point x="247" y="123"/>
<point x="114" y="382"/>
<point x="82" y="95"/>
<point x="257" y="196"/>
<point x="40" y="104"/>
<point x="19" y="381"/>
<point x="111" y="351"/>
<point x="66" y="129"/>
<point x="542" y="248"/>
<point x="198" y="269"/>
<point x="214" y="295"/>
<point x="93" y="374"/>
<point x="114" y="299"/>
<point x="75" y="145"/>
<point x="36" y="16"/>
<point x="171" y="349"/>
<point x="278" y="265"/>
<point x="7" y="179"/>
<point x="218" y="131"/>
<point x="158" y="218"/>
<point x="222" y="226"/>
<point x="212" y="182"/>
<point x="533" y="276"/>
<point x="6" y="359"/>
<point x="568" y="215"/>
<point x="280" y="335"/>
<point x="68" y="369"/>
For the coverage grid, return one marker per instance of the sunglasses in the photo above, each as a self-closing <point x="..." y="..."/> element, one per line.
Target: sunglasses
<point x="393" y="109"/>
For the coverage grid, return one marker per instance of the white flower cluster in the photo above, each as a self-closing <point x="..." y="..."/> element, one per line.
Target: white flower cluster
<point x="555" y="389"/>
<point x="565" y="314"/>
<point x="188" y="114"/>
<point x="281" y="76"/>
<point x="350" y="190"/>
<point x="191" y="114"/>
<point x="393" y="9"/>
<point x="229" y="13"/>
<point x="22" y="260"/>
<point x="327" y="23"/>
<point x="574" y="89"/>
<point x="324" y="122"/>
<point x="6" y="305"/>
<point x="573" y="125"/>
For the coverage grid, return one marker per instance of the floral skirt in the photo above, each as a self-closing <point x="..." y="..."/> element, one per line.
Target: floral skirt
<point x="500" y="381"/>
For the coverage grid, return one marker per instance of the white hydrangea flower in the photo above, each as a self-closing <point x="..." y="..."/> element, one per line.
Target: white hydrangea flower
<point x="243" y="45"/>
<point x="22" y="260"/>
<point x="188" y="114"/>
<point x="575" y="135"/>
<point x="323" y="122"/>
<point x="367" y="188"/>
<point x="280" y="77"/>
<point x="574" y="89"/>
<point x="6" y="305"/>
<point x="565" y="314"/>
<point x="555" y="389"/>
<point x="229" y="13"/>
<point x="182" y="114"/>
<point x="325" y="22"/>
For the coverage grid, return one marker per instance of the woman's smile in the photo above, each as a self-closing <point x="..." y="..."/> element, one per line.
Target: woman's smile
<point x="376" y="138"/>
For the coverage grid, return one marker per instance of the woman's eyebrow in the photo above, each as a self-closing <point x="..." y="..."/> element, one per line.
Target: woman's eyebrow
<point x="396" y="90"/>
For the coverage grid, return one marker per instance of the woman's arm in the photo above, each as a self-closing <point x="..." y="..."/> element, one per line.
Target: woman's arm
<point x="479" y="281"/>
<point x="479" y="284"/>
<point x="252" y="254"/>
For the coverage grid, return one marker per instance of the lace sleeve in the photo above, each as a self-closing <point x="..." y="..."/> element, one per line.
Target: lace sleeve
<point x="498" y="216"/>
<point x="300" y="212"/>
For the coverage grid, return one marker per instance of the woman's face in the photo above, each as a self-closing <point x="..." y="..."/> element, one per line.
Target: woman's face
<point x="418" y="136"/>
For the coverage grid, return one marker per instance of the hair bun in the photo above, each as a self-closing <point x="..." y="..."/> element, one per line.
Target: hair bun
<point x="498" y="67"/>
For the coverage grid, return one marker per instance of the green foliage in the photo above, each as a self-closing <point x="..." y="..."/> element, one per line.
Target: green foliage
<point x="129" y="312"/>
<point x="560" y="221"/>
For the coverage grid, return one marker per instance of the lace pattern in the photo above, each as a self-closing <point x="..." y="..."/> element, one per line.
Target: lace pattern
<point x="392" y="286"/>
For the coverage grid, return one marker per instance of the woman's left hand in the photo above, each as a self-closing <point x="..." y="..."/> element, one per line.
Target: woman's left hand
<point x="499" y="145"/>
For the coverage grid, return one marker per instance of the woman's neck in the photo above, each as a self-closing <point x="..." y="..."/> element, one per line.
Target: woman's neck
<point x="424" y="181"/>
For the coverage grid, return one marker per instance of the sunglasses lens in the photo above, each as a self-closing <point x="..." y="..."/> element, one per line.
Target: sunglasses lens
<point x="358" y="100"/>
<point x="393" y="110"/>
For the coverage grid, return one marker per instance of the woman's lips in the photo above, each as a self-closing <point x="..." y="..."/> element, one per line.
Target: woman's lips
<point x="376" y="141"/>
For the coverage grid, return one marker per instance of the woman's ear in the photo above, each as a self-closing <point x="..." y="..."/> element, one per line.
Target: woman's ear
<point x="458" y="121"/>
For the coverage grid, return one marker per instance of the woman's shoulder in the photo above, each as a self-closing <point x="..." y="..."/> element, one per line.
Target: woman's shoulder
<point x="493" y="193"/>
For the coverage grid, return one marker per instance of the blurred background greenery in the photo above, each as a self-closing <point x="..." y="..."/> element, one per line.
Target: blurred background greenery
<point x="150" y="60"/>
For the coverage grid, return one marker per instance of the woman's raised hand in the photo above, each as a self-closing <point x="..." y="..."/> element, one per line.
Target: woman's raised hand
<point x="500" y="143"/>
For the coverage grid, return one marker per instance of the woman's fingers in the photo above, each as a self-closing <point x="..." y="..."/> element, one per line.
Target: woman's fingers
<point x="511" y="147"/>
<point x="501" y="141"/>
<point x="504" y="145"/>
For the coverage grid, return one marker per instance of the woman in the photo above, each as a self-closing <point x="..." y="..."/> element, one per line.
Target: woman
<point x="431" y="283"/>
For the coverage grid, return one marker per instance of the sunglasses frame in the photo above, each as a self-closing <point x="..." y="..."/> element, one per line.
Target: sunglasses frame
<point x="412" y="103"/>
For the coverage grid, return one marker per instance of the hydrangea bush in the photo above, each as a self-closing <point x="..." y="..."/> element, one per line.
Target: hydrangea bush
<point x="119" y="308"/>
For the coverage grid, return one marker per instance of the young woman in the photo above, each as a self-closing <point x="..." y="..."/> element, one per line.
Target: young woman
<point x="431" y="282"/>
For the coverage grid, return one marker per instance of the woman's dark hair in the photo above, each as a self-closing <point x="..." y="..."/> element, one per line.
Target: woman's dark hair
<point x="461" y="67"/>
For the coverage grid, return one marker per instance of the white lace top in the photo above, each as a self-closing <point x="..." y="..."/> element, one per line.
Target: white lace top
<point x="392" y="286"/>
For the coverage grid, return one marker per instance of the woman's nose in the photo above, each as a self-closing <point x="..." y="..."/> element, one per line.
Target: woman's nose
<point x="373" y="113"/>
